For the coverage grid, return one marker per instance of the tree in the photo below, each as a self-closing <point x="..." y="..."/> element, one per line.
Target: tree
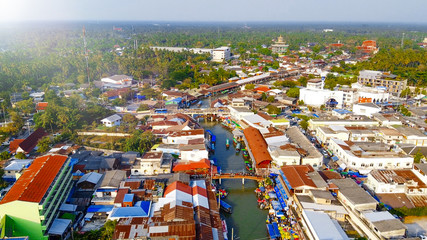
<point x="293" y="92"/>
<point x="143" y="107"/>
<point x="129" y="119"/>
<point x="406" y="92"/>
<point x="5" y="155"/>
<point x="301" y="102"/>
<point x="271" y="99"/>
<point x="20" y="155"/>
<point x="263" y="96"/>
<point x="44" y="145"/>
<point x="418" y="156"/>
<point x="273" y="110"/>
<point x="249" y="86"/>
<point x="303" y="124"/>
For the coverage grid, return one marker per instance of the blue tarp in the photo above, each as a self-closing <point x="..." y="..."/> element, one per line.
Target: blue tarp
<point x="213" y="138"/>
<point x="272" y="195"/>
<point x="272" y="232"/>
<point x="276" y="205"/>
<point x="100" y="208"/>
<point x="334" y="158"/>
<point x="276" y="230"/>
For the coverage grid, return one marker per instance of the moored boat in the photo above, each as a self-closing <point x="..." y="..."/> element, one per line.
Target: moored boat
<point x="227" y="143"/>
<point x="224" y="229"/>
<point x="225" y="206"/>
<point x="238" y="147"/>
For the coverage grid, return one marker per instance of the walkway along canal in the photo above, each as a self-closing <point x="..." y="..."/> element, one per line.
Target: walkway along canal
<point x="247" y="220"/>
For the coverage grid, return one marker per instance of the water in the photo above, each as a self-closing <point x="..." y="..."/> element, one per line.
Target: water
<point x="247" y="220"/>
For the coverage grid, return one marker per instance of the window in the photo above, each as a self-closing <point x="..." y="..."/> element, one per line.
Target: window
<point x="362" y="165"/>
<point x="371" y="165"/>
<point x="353" y="163"/>
<point x="380" y="165"/>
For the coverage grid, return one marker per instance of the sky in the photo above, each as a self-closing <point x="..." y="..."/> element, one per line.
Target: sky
<point x="392" y="11"/>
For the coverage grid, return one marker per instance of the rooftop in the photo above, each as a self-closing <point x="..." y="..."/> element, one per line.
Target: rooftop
<point x="258" y="146"/>
<point x="353" y="192"/>
<point x="36" y="180"/>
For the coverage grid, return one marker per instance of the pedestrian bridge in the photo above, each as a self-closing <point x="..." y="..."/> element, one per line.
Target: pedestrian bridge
<point x="242" y="176"/>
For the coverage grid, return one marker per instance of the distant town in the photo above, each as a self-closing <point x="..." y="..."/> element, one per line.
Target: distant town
<point x="325" y="146"/>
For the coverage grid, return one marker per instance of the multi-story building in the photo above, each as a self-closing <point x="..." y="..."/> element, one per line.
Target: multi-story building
<point x="152" y="163"/>
<point x="32" y="204"/>
<point x="381" y="79"/>
<point x="367" y="156"/>
<point x="221" y="54"/>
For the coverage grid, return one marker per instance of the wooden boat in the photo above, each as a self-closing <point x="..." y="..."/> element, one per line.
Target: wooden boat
<point x="238" y="147"/>
<point x="225" y="206"/>
<point x="224" y="229"/>
<point x="227" y="143"/>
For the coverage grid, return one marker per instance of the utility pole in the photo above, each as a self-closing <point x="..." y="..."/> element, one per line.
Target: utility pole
<point x="86" y="54"/>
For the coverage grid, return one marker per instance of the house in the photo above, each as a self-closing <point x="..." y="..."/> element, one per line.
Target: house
<point x="29" y="208"/>
<point x="152" y="163"/>
<point x="301" y="179"/>
<point x="353" y="196"/>
<point x="201" y="167"/>
<point x="117" y="81"/>
<point x="193" y="152"/>
<point x="15" y="168"/>
<point x="89" y="181"/>
<point x="366" y="109"/>
<point x="41" y="106"/>
<point x="31" y="141"/>
<point x="412" y="136"/>
<point x="239" y="112"/>
<point x="184" y="136"/>
<point x="107" y="191"/>
<point x="311" y="156"/>
<point x="14" y="145"/>
<point x="111" y="121"/>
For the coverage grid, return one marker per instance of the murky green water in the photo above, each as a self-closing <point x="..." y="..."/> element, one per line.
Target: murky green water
<point x="247" y="220"/>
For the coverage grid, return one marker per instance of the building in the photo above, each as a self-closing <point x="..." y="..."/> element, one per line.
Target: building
<point x="239" y="113"/>
<point x="118" y="80"/>
<point x="313" y="124"/>
<point x="366" y="109"/>
<point x="107" y="190"/>
<point x="15" y="168"/>
<point x="279" y="46"/>
<point x="309" y="154"/>
<point x="354" y="197"/>
<point x="221" y="54"/>
<point x="368" y="46"/>
<point x="31" y="141"/>
<point x="152" y="163"/>
<point x="301" y="179"/>
<point x="367" y="156"/>
<point x="319" y="226"/>
<point x="257" y="148"/>
<point x="391" y="83"/>
<point x="32" y="204"/>
<point x="184" y="136"/>
<point x="396" y="181"/>
<point x="412" y="136"/>
<point x="111" y="121"/>
<point x="315" y="83"/>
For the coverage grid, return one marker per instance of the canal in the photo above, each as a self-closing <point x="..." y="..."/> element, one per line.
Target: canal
<point x="247" y="220"/>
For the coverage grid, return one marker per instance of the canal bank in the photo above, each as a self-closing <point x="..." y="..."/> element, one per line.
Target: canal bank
<point x="247" y="220"/>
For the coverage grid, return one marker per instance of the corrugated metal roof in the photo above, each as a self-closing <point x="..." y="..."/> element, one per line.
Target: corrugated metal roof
<point x="258" y="147"/>
<point x="36" y="180"/>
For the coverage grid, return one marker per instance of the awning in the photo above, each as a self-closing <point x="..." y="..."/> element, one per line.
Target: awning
<point x="59" y="226"/>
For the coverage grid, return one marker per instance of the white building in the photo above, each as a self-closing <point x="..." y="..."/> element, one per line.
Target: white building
<point x="184" y="136"/>
<point x="194" y="153"/>
<point x="318" y="97"/>
<point x="239" y="113"/>
<point x="152" y="163"/>
<point x="113" y="120"/>
<point x="122" y="80"/>
<point x="258" y="122"/>
<point x="221" y="54"/>
<point x="412" y="136"/>
<point x="395" y="181"/>
<point x="316" y="83"/>
<point x="320" y="226"/>
<point x="367" y="156"/>
<point x="366" y="109"/>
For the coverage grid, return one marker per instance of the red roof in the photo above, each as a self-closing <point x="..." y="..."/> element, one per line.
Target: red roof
<point x="14" y="145"/>
<point x="297" y="175"/>
<point x="202" y="164"/>
<point x="258" y="147"/>
<point x="31" y="141"/>
<point x="200" y="191"/>
<point x="177" y="185"/>
<point x="262" y="89"/>
<point x="121" y="195"/>
<point x="41" y="106"/>
<point x="36" y="180"/>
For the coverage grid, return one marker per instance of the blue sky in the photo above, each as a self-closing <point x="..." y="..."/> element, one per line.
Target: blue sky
<point x="396" y="11"/>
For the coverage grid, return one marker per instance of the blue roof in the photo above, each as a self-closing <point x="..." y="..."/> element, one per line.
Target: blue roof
<point x="342" y="111"/>
<point x="100" y="208"/>
<point x="141" y="209"/>
<point x="128" y="197"/>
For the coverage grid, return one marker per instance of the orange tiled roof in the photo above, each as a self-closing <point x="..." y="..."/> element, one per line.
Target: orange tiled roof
<point x="36" y="180"/>
<point x="202" y="164"/>
<point x="14" y="145"/>
<point x="41" y="106"/>
<point x="258" y="147"/>
<point x="177" y="185"/>
<point x="297" y="175"/>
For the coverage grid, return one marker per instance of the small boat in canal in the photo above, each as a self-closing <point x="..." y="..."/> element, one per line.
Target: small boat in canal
<point x="249" y="167"/>
<point x="245" y="153"/>
<point x="224" y="229"/>
<point x="225" y="206"/>
<point x="238" y="147"/>
<point x="227" y="143"/>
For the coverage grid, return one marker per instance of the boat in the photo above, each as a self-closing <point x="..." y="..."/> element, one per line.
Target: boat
<point x="225" y="206"/>
<point x="249" y="167"/>
<point x="235" y="141"/>
<point x="238" y="147"/>
<point x="224" y="229"/>
<point x="199" y="104"/>
<point x="213" y="139"/>
<point x="227" y="143"/>
<point x="245" y="153"/>
<point x="213" y="147"/>
<point x="222" y="193"/>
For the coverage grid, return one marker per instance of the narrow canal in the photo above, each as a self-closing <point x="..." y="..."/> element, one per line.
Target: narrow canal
<point x="247" y="220"/>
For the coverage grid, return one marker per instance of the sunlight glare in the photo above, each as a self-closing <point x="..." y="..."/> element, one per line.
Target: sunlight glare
<point x="11" y="10"/>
